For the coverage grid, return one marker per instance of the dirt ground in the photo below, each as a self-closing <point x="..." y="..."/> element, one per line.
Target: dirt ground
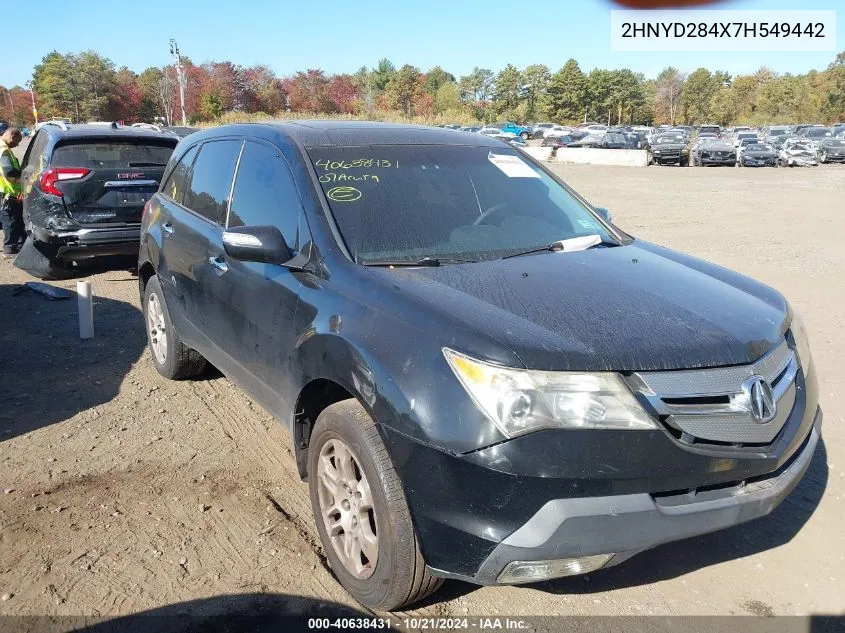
<point x="122" y="492"/>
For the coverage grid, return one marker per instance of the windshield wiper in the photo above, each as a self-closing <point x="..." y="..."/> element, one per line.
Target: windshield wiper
<point x="560" y="245"/>
<point x="148" y="164"/>
<point x="425" y="261"/>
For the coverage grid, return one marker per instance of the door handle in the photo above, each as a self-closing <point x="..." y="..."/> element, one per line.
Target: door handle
<point x="168" y="228"/>
<point x="219" y="263"/>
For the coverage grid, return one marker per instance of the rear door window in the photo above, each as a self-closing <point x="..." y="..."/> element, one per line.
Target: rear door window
<point x="111" y="155"/>
<point x="211" y="179"/>
<point x="265" y="193"/>
<point x="176" y="183"/>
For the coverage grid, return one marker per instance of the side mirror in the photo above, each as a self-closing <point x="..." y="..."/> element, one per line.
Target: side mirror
<point x="257" y="244"/>
<point x="606" y="215"/>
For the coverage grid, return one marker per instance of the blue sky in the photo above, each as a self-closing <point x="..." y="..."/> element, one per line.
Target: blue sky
<point x="342" y="36"/>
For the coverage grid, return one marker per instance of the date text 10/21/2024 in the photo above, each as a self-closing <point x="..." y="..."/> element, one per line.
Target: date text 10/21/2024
<point x="420" y="624"/>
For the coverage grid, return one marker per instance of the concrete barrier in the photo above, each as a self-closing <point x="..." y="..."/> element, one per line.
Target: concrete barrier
<point x="589" y="156"/>
<point x="538" y="153"/>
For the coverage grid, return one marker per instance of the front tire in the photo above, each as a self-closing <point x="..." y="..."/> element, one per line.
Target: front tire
<point x="361" y="512"/>
<point x="171" y="357"/>
<point x="524" y="136"/>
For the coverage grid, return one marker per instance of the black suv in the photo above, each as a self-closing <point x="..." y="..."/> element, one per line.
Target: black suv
<point x="84" y="190"/>
<point x="483" y="378"/>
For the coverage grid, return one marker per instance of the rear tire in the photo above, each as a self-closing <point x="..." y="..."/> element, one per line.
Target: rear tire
<point x="171" y="357"/>
<point x="356" y="491"/>
<point x="524" y="136"/>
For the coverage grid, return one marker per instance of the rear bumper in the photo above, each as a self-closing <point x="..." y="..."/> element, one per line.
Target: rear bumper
<point x="625" y="525"/>
<point x="85" y="243"/>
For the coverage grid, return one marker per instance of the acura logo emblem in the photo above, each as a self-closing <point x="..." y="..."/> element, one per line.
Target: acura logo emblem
<point x="761" y="399"/>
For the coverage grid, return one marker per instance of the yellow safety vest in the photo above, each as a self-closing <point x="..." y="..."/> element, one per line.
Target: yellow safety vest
<point x="9" y="186"/>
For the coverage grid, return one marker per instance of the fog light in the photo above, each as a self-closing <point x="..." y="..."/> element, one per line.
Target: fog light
<point x="521" y="571"/>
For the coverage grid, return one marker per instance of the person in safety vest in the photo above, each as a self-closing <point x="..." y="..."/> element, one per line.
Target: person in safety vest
<point x="11" y="196"/>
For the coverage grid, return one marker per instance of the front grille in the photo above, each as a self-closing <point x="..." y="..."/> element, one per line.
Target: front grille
<point x="710" y="405"/>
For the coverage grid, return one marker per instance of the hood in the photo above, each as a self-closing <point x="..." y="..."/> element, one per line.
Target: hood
<point x="669" y="146"/>
<point x="718" y="147"/>
<point x="634" y="307"/>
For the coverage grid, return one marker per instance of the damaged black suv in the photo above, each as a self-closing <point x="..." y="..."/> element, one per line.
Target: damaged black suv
<point x="482" y="376"/>
<point x="85" y="187"/>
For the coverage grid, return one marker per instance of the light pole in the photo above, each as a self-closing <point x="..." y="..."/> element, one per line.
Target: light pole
<point x="180" y="75"/>
<point x="11" y="106"/>
<point x="32" y="96"/>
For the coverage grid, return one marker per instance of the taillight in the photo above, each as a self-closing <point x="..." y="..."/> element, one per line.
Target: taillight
<point x="58" y="174"/>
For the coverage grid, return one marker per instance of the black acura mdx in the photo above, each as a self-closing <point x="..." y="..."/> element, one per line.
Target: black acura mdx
<point x="483" y="378"/>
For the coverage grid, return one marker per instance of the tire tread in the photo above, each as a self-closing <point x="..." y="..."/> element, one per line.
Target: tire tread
<point x="182" y="361"/>
<point x="417" y="582"/>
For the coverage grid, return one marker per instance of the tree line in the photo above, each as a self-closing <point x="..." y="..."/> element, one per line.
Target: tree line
<point x="87" y="86"/>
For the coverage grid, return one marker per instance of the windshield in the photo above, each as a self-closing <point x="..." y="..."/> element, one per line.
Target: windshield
<point x="760" y="147"/>
<point x="405" y="202"/>
<point x="818" y="132"/>
<point x="660" y="140"/>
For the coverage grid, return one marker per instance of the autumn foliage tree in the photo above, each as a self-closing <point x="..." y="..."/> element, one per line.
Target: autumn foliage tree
<point x="86" y="86"/>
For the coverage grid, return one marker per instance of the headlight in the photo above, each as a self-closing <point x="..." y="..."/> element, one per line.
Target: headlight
<point x="802" y="341"/>
<point x="685" y="151"/>
<point x="519" y="401"/>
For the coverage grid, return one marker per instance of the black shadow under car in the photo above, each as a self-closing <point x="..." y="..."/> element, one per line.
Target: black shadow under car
<point x="483" y="378"/>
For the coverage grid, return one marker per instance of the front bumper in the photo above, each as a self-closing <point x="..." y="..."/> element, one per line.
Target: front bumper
<point x="673" y="157"/>
<point x="729" y="160"/>
<point x="626" y="525"/>
<point x="793" y="161"/>
<point x="559" y="494"/>
<point x="759" y="162"/>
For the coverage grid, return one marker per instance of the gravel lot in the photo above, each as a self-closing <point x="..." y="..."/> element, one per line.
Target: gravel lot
<point x="122" y="492"/>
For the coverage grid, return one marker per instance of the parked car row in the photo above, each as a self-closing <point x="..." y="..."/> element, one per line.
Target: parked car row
<point x="777" y="146"/>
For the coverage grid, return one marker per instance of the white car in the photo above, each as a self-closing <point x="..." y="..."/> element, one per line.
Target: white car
<point x="494" y="131"/>
<point x="741" y="135"/>
<point x="541" y="128"/>
<point x="797" y="152"/>
<point x="743" y="144"/>
<point x="559" y="130"/>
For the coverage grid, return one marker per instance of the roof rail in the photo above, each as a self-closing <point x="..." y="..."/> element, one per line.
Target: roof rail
<point x="59" y="124"/>
<point x="147" y="126"/>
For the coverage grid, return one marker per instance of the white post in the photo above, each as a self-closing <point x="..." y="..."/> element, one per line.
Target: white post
<point x="86" y="309"/>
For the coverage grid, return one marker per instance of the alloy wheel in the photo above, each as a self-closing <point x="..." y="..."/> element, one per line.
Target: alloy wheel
<point x="346" y="508"/>
<point x="156" y="328"/>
